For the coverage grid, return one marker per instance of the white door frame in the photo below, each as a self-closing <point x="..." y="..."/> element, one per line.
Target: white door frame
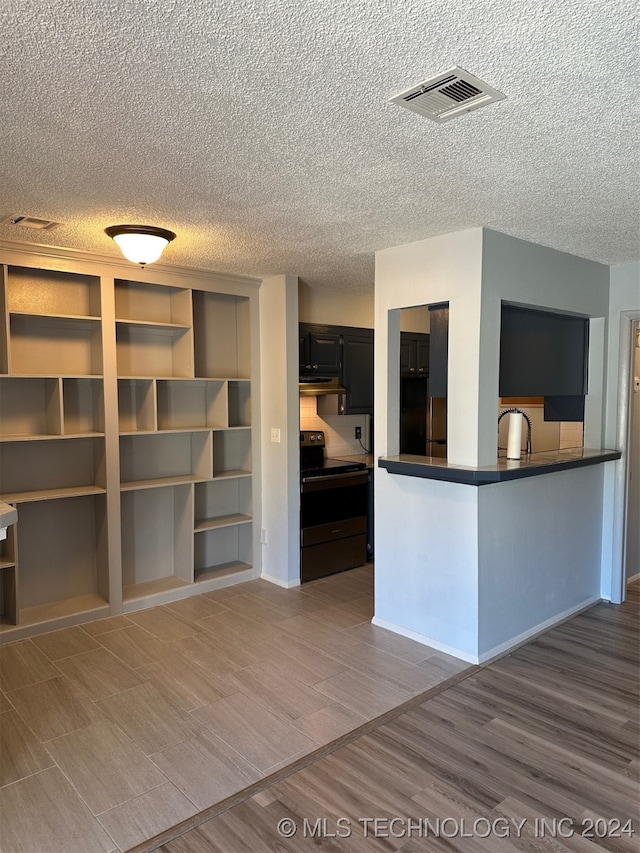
<point x="623" y="439"/>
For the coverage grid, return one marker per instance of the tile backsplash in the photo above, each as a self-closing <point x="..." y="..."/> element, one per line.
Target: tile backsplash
<point x="340" y="438"/>
<point x="339" y="430"/>
<point x="571" y="434"/>
<point x="545" y="435"/>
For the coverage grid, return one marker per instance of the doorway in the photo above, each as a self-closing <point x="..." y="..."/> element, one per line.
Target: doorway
<point x="632" y="534"/>
<point x="626" y="470"/>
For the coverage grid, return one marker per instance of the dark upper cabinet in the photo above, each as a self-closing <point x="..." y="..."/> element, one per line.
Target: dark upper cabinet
<point x="345" y="352"/>
<point x="304" y="351"/>
<point x="414" y="354"/>
<point x="320" y="350"/>
<point x="542" y="354"/>
<point x="407" y="354"/>
<point x="423" y="345"/>
<point x="439" y="349"/>
<point x="357" y="371"/>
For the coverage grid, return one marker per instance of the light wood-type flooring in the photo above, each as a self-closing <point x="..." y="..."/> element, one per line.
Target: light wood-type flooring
<point x="114" y="731"/>
<point x="535" y="752"/>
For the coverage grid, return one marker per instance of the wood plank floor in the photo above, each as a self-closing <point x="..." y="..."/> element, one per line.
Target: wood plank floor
<point x="535" y="752"/>
<point x="132" y="724"/>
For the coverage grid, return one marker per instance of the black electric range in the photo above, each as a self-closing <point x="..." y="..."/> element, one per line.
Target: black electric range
<point x="314" y="463"/>
<point x="333" y="510"/>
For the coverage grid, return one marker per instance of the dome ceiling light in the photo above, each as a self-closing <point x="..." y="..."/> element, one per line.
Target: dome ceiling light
<point x="140" y="244"/>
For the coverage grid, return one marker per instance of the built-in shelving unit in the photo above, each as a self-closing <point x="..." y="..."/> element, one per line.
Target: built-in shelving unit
<point x="8" y="580"/>
<point x="126" y="438"/>
<point x="223" y="522"/>
<point x="41" y="407"/>
<point x="54" y="562"/>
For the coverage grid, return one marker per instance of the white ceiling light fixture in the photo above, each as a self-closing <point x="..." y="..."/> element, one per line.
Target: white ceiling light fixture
<point x="140" y="244"/>
<point x="447" y="95"/>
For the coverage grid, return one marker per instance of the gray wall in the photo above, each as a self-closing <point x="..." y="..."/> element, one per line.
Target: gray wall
<point x="525" y="273"/>
<point x="624" y="300"/>
<point x="279" y="408"/>
<point x="539" y="552"/>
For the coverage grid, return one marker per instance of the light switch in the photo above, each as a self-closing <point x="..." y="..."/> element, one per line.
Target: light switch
<point x="275" y="435"/>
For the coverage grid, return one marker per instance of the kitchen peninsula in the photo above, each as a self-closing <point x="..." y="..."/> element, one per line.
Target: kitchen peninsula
<point x="477" y="571"/>
<point x="532" y="465"/>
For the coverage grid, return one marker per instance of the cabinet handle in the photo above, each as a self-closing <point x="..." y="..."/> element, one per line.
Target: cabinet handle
<point x="308" y="366"/>
<point x="420" y="369"/>
<point x="315" y="366"/>
<point x="412" y="370"/>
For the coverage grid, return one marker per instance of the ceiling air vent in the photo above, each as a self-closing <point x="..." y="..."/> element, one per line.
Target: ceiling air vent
<point x="447" y="95"/>
<point x="30" y="222"/>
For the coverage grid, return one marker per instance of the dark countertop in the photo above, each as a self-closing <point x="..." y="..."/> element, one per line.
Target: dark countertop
<point x="546" y="462"/>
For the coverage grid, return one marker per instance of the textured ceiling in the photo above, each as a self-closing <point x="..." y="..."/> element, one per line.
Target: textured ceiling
<point x="261" y="133"/>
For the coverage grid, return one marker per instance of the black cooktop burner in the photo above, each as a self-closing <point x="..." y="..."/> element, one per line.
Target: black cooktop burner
<point x="313" y="462"/>
<point x="330" y="466"/>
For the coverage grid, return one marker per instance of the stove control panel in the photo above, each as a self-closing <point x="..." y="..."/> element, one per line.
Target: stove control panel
<point x="311" y="438"/>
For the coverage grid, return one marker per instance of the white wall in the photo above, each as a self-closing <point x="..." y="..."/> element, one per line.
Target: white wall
<point x="279" y="409"/>
<point x="624" y="295"/>
<point x="427" y="561"/>
<point x="632" y="560"/>
<point x="441" y="269"/>
<point x="426" y="531"/>
<point x="316" y="305"/>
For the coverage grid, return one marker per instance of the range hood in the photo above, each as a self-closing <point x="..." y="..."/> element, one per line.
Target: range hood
<point x="319" y="386"/>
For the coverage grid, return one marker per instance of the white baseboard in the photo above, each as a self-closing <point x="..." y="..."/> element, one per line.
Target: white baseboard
<point x="280" y="582"/>
<point x="496" y="651"/>
<point x="424" y="639"/>
<point x="536" y="630"/>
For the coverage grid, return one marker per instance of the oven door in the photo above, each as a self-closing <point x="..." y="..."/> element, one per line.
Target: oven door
<point x="333" y="524"/>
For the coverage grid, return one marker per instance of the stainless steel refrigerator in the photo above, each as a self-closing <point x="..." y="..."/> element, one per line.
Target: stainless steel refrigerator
<point x="423" y="419"/>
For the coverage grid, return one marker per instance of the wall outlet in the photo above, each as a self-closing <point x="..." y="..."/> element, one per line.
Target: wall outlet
<point x="358" y="432"/>
<point x="275" y="435"/>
